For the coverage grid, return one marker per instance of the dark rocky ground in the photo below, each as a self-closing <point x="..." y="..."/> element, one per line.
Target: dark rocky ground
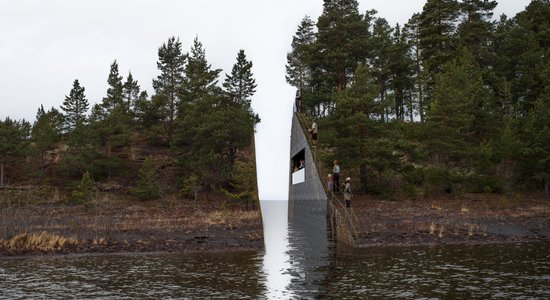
<point x="122" y="226"/>
<point x="466" y="219"/>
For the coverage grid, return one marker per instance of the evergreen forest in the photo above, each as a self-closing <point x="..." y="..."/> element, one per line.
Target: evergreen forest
<point x="456" y="100"/>
<point x="193" y="135"/>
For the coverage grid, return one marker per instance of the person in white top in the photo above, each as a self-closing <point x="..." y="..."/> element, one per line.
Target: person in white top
<point x="313" y="131"/>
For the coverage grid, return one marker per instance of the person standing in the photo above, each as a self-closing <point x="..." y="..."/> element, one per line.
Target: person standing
<point x="298" y="101"/>
<point x="347" y="192"/>
<point x="330" y="183"/>
<point x="336" y="176"/>
<point x="313" y="131"/>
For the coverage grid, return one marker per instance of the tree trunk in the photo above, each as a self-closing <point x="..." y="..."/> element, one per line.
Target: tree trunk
<point x="411" y="112"/>
<point x="546" y="187"/>
<point x="363" y="178"/>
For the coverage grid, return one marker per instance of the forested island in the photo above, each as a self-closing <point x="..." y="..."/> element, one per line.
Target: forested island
<point x="442" y="123"/>
<point x="171" y="171"/>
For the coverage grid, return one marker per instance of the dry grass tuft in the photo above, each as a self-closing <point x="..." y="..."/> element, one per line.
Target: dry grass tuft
<point x="41" y="241"/>
<point x="432" y="228"/>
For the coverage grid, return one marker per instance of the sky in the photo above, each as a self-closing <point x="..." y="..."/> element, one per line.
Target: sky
<point x="46" y="45"/>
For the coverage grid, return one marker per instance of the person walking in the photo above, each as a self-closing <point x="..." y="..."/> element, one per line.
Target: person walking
<point x="347" y="192"/>
<point x="336" y="176"/>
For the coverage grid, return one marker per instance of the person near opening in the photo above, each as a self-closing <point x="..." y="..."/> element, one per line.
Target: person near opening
<point x="330" y="183"/>
<point x="298" y="101"/>
<point x="313" y="131"/>
<point x="347" y="192"/>
<point x="336" y="176"/>
<point x="302" y="164"/>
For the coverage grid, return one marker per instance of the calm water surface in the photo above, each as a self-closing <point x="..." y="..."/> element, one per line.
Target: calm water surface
<point x="299" y="262"/>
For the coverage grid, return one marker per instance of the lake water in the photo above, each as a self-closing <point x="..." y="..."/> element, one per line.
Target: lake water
<point x="299" y="262"/>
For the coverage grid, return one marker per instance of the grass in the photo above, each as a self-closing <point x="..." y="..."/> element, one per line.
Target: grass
<point x="41" y="241"/>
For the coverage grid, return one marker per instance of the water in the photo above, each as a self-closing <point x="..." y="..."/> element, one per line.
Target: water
<point x="298" y="262"/>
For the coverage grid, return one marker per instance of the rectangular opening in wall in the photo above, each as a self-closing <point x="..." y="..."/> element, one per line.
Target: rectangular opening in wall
<point x="298" y="167"/>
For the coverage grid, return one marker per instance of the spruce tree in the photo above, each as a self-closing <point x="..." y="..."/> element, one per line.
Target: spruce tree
<point x="75" y="107"/>
<point x="240" y="85"/>
<point x="130" y="94"/>
<point x="147" y="187"/>
<point x="200" y="79"/>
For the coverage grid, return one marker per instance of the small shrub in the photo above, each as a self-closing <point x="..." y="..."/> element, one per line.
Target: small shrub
<point x="84" y="191"/>
<point x="414" y="175"/>
<point x="147" y="187"/>
<point x="411" y="191"/>
<point x="188" y="186"/>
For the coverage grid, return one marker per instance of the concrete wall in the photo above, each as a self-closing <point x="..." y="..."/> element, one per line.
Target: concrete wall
<point x="307" y="200"/>
<point x="309" y="207"/>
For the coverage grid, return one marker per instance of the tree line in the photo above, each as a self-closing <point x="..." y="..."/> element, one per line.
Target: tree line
<point x="450" y="101"/>
<point x="204" y="125"/>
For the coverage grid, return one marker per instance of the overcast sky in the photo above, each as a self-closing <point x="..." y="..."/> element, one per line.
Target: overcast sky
<point x="45" y="45"/>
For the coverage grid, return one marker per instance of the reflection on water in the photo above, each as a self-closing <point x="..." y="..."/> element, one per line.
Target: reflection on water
<point x="232" y="275"/>
<point x="299" y="262"/>
<point x="276" y="263"/>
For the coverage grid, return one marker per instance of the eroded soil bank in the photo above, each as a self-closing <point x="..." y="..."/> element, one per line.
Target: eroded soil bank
<point x="122" y="226"/>
<point x="465" y="219"/>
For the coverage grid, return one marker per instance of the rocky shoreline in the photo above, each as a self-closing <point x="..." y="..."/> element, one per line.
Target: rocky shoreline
<point x="469" y="219"/>
<point x="121" y="227"/>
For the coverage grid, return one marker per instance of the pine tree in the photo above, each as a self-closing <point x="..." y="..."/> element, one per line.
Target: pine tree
<point x="535" y="152"/>
<point x="75" y="107"/>
<point x="458" y="111"/>
<point x="47" y="130"/>
<point x="240" y="85"/>
<point x="297" y="69"/>
<point x="381" y="42"/>
<point x="412" y="35"/>
<point x="168" y="88"/>
<point x="401" y="74"/>
<point x="436" y="31"/>
<point x="14" y="138"/>
<point x="475" y="30"/>
<point x="111" y="118"/>
<point x="341" y="38"/>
